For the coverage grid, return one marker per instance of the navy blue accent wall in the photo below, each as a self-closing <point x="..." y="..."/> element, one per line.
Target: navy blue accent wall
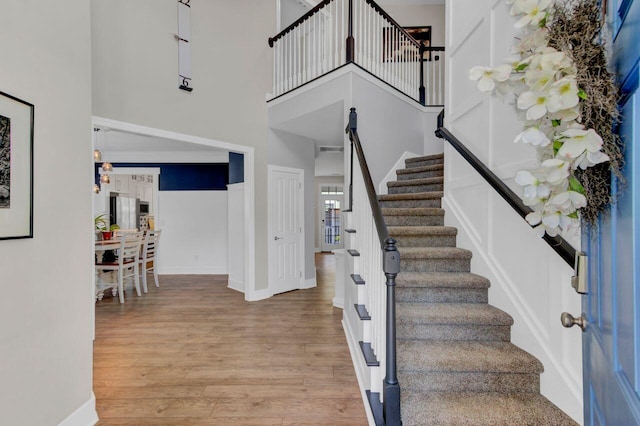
<point x="186" y="176"/>
<point x="236" y="167"/>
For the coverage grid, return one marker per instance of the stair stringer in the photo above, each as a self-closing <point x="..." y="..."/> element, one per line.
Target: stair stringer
<point x="558" y="383"/>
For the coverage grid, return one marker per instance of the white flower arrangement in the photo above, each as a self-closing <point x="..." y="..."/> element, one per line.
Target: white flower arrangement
<point x="543" y="80"/>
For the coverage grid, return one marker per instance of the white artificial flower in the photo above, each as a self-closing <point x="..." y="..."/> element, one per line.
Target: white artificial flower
<point x="563" y="94"/>
<point x="535" y="191"/>
<point x="534" y="218"/>
<point x="550" y="59"/>
<point x="534" y="11"/>
<point x="533" y="136"/>
<point x="555" y="171"/>
<point x="589" y="159"/>
<point x="539" y="80"/>
<point x="566" y="116"/>
<point x="576" y="140"/>
<point x="567" y="202"/>
<point x="487" y="77"/>
<point x="535" y="103"/>
<point x="533" y="40"/>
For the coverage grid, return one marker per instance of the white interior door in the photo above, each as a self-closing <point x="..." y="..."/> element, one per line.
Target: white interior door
<point x="285" y="228"/>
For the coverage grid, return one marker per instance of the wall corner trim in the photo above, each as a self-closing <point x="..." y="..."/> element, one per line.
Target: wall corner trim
<point x="85" y="415"/>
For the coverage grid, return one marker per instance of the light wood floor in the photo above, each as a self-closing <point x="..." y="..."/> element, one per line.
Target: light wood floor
<point x="193" y="352"/>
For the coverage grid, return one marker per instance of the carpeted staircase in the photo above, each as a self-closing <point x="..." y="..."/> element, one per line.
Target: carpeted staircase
<point x="456" y="365"/>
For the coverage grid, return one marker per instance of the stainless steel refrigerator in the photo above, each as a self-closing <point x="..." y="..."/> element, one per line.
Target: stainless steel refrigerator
<point x="125" y="211"/>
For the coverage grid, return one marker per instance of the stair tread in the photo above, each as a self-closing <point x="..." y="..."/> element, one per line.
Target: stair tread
<point x="441" y="279"/>
<point x="480" y="408"/>
<point x="420" y="169"/>
<point x="424" y="158"/>
<point x="434" y="253"/>
<point x="415" y="182"/>
<point x="415" y="211"/>
<point x="422" y="230"/>
<point x="412" y="196"/>
<point x="465" y="356"/>
<point x="416" y="313"/>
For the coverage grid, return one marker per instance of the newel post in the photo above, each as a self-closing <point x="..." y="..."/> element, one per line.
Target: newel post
<point x="350" y="42"/>
<point x="421" y="89"/>
<point x="353" y="125"/>
<point x="391" y="387"/>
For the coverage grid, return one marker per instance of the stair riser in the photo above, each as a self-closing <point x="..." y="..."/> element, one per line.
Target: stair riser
<point x="469" y="382"/>
<point x="434" y="265"/>
<point x="401" y="204"/>
<point x="412" y="189"/>
<point x="420" y="175"/>
<point x="426" y="241"/>
<point x="426" y="220"/>
<point x="500" y="333"/>
<point x="432" y="162"/>
<point x="441" y="295"/>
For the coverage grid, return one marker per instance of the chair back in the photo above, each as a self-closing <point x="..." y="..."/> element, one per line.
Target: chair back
<point x="118" y="233"/>
<point x="130" y="247"/>
<point x="151" y="241"/>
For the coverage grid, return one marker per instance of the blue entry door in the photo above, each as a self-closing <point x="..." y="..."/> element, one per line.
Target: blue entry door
<point x="611" y="343"/>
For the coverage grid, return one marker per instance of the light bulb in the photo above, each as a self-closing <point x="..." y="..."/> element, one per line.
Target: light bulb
<point x="96" y="188"/>
<point x="107" y="167"/>
<point x="97" y="155"/>
<point x="105" y="179"/>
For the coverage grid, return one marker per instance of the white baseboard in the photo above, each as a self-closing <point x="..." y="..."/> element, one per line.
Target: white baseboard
<point x="256" y="295"/>
<point x="317" y="250"/>
<point x="85" y="415"/>
<point x="309" y="282"/>
<point x="354" y="349"/>
<point x="391" y="176"/>
<point x="338" y="302"/>
<point x="193" y="270"/>
<point x="236" y="285"/>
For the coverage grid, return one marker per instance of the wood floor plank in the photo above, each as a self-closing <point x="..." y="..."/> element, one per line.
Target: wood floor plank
<point x="193" y="352"/>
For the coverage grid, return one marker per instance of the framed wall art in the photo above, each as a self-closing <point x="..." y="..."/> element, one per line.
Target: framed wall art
<point x="16" y="168"/>
<point x="394" y="47"/>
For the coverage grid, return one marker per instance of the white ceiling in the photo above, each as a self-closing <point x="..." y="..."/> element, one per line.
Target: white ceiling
<point x="325" y="126"/>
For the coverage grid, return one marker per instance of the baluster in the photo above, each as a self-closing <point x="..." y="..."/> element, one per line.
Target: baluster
<point x="367" y="37"/>
<point x="290" y="61"/>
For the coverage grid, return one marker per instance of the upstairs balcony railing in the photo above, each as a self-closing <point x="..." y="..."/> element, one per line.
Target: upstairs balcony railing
<point x="338" y="32"/>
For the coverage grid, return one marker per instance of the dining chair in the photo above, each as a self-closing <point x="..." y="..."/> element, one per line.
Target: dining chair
<point x="118" y="233"/>
<point x="148" y="256"/>
<point x="126" y="264"/>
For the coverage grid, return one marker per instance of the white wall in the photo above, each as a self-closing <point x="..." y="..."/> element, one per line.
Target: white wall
<point x="194" y="232"/>
<point x="289" y="150"/>
<point x="329" y="164"/>
<point x="46" y="305"/>
<point x="528" y="279"/>
<point x="135" y="77"/>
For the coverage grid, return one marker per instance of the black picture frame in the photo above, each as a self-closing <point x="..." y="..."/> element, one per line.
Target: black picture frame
<point x="16" y="167"/>
<point x="419" y="33"/>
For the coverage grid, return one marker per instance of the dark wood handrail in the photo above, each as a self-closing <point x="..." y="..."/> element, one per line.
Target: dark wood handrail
<point x="392" y="21"/>
<point x="299" y="21"/>
<point x="559" y="244"/>
<point x="324" y="3"/>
